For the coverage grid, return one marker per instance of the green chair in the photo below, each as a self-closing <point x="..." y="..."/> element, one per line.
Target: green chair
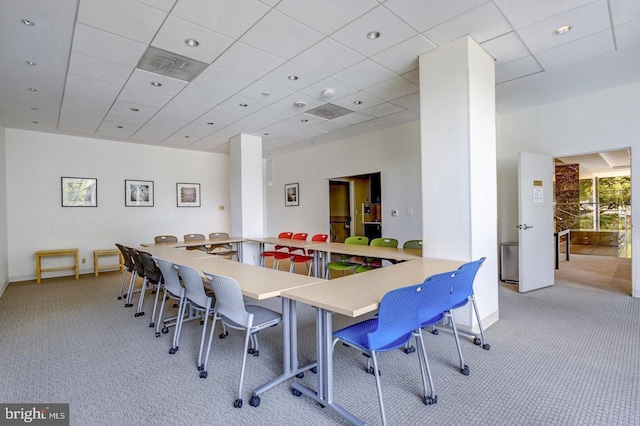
<point x="372" y="262"/>
<point x="413" y="244"/>
<point x="346" y="265"/>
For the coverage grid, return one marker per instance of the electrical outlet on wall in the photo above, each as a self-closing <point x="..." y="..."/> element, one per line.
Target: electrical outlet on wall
<point x="394" y="212"/>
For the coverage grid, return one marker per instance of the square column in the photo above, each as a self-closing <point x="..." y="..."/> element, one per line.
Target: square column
<point x="247" y="195"/>
<point x="458" y="150"/>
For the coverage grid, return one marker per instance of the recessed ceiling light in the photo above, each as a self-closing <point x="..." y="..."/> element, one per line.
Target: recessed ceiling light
<point x="31" y="89"/>
<point x="292" y="77"/>
<point x="299" y="104"/>
<point x="155" y="84"/>
<point x="304" y="120"/>
<point x="372" y="35"/>
<point x="120" y="127"/>
<point x="267" y="134"/>
<point x="187" y="136"/>
<point x="357" y="102"/>
<point x="244" y="105"/>
<point x="191" y="42"/>
<point x="265" y="93"/>
<point x="33" y="108"/>
<point x="134" y="109"/>
<point x="210" y="123"/>
<point x="28" y="22"/>
<point x="563" y="29"/>
<point x="29" y="62"/>
<point x="34" y="122"/>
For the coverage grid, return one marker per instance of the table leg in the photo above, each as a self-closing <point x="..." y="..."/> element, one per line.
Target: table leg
<point x="324" y="343"/>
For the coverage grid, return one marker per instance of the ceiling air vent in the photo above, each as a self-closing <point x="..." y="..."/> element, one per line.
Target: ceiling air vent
<point x="328" y="111"/>
<point x="170" y="64"/>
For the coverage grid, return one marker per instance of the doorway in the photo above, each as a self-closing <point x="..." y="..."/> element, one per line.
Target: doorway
<point x="593" y="200"/>
<point x="355" y="206"/>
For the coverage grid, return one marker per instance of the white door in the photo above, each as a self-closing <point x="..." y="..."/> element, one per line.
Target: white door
<point x="535" y="221"/>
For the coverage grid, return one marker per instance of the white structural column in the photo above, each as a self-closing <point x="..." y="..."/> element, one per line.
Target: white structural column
<point x="458" y="149"/>
<point x="247" y="204"/>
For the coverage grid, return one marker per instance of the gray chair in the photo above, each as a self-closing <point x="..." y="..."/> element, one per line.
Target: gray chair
<point x="196" y="237"/>
<point x="152" y="277"/>
<point x="173" y="290"/>
<point x="166" y="239"/>
<point x="233" y="313"/>
<point x="128" y="267"/>
<point x="195" y="295"/>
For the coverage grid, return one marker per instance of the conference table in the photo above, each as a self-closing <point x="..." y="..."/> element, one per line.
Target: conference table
<point x="322" y="251"/>
<point x="196" y="243"/>
<point x="258" y="283"/>
<point x="354" y="296"/>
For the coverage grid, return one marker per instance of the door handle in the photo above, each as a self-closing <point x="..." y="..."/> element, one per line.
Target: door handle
<point x="524" y="227"/>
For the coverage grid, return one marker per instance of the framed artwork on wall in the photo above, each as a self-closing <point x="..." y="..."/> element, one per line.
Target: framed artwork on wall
<point x="79" y="192"/>
<point x="188" y="194"/>
<point x="291" y="194"/>
<point x="138" y="193"/>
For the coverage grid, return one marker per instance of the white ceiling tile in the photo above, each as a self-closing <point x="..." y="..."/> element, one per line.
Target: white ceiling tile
<point x="278" y="112"/>
<point x="175" y="117"/>
<point x="142" y="79"/>
<point x="288" y="102"/>
<point x="99" y="69"/>
<point x="104" y="45"/>
<point x="163" y="5"/>
<point x="265" y="91"/>
<point x="392" y="31"/>
<point x="209" y="142"/>
<point x="280" y="128"/>
<point x="193" y="131"/>
<point x="140" y="22"/>
<point x="91" y="87"/>
<point x="186" y="107"/>
<point x="202" y="95"/>
<point x="111" y="129"/>
<point x="585" y="20"/>
<point x="243" y="104"/>
<point x="281" y="36"/>
<point x="143" y="111"/>
<point x="175" y="31"/>
<point x="394" y="88"/>
<point x="78" y="120"/>
<point x="143" y="96"/>
<point x="340" y="89"/>
<point x="229" y="18"/>
<point x="315" y="57"/>
<point x="248" y="60"/>
<point x="382" y="110"/>
<point x="178" y="139"/>
<point x="156" y="130"/>
<point x="482" y="23"/>
<point x="326" y="16"/>
<point x="364" y="74"/>
<point x="222" y="79"/>
<point x="403" y="57"/>
<point x="353" y="118"/>
<point x="256" y="121"/>
<point x="409" y="102"/>
<point x="517" y="69"/>
<point x="506" y="48"/>
<point x="329" y="125"/>
<point x="77" y="98"/>
<point x="425" y="14"/>
<point x="306" y="77"/>
<point x="623" y="11"/>
<point x="220" y="117"/>
<point x="628" y="34"/>
<point x="413" y="76"/>
<point x="357" y="101"/>
<point x="524" y="12"/>
<point x="304" y="120"/>
<point x="307" y="132"/>
<point x="579" y="50"/>
<point x="230" y="131"/>
<point x="126" y="119"/>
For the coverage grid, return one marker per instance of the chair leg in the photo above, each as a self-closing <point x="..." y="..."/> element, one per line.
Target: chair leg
<point x="203" y="373"/>
<point x="179" y="320"/>
<point x="143" y="290"/>
<point x="238" y="402"/>
<point x="132" y="283"/>
<point x="124" y="277"/>
<point x="160" y="320"/>
<point x="480" y="341"/>
<point x="463" y="368"/>
<point x="374" y="357"/>
<point x="203" y="336"/>
<point x="155" y="305"/>
<point x="430" y="396"/>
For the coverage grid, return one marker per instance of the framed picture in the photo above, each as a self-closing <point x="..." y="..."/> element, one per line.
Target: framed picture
<point x="291" y="194"/>
<point x="138" y="193"/>
<point x="79" y="192"/>
<point x="188" y="194"/>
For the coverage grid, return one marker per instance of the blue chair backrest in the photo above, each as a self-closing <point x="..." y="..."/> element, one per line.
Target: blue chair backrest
<point x="465" y="275"/>
<point x="397" y="317"/>
<point x="437" y="295"/>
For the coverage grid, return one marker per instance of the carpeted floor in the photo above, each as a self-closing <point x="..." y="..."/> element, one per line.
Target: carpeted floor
<point x="564" y="355"/>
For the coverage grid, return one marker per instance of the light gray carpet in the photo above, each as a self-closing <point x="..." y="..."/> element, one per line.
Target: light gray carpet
<point x="565" y="355"/>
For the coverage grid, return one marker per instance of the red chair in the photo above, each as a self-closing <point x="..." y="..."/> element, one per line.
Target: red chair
<point x="271" y="253"/>
<point x="307" y="257"/>
<point x="278" y="256"/>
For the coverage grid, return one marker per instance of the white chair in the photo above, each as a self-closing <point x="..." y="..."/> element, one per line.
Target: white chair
<point x="173" y="290"/>
<point x="233" y="313"/>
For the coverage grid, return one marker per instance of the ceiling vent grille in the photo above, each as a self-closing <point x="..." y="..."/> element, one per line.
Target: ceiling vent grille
<point x="328" y="111"/>
<point x="170" y="64"/>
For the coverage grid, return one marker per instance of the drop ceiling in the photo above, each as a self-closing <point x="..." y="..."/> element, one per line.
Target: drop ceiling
<point x="266" y="64"/>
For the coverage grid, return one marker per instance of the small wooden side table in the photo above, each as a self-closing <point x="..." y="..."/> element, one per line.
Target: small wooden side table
<point x="60" y="252"/>
<point x="111" y="252"/>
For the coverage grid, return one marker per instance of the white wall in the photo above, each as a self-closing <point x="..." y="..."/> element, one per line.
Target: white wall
<point x="394" y="152"/>
<point x="36" y="221"/>
<point x="4" y="268"/>
<point x="601" y="121"/>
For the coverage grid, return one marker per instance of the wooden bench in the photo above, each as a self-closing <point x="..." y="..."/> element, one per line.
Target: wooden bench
<point x="112" y="252"/>
<point x="61" y="252"/>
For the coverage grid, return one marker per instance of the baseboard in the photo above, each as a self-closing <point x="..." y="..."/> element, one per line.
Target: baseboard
<point x="6" y="283"/>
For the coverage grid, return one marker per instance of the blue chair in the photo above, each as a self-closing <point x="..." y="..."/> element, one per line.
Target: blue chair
<point x="463" y="294"/>
<point x="398" y="320"/>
